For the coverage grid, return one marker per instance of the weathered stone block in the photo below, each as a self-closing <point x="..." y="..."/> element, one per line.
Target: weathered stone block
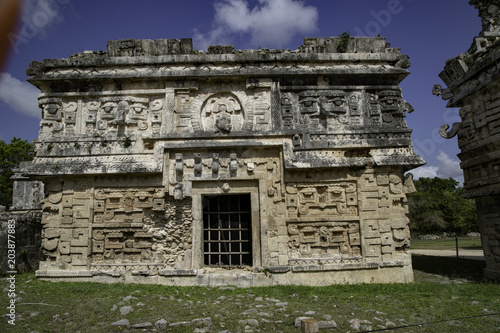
<point x="197" y="175"/>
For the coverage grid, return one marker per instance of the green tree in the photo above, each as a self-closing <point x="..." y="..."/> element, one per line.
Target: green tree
<point x="11" y="154"/>
<point x="439" y="205"/>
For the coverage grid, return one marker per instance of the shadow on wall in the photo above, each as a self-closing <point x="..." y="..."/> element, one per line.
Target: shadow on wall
<point x="26" y="229"/>
<point x="453" y="268"/>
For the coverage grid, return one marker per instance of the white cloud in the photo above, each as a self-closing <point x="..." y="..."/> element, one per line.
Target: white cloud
<point x="447" y="167"/>
<point x="271" y="23"/>
<point x="21" y="96"/>
<point x="425" y="172"/>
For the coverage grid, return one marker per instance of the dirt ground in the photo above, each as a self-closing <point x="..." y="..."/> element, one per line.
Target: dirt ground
<point x="467" y="254"/>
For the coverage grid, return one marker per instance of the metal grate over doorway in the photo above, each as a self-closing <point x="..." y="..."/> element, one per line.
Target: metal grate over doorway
<point x="227" y="230"/>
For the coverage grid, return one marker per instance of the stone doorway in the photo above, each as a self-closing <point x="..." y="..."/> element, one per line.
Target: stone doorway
<point x="227" y="230"/>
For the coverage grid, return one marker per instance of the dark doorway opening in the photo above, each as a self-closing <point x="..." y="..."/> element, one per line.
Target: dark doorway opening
<point x="227" y="230"/>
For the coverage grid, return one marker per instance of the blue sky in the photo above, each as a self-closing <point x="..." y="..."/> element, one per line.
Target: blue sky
<point x="430" y="32"/>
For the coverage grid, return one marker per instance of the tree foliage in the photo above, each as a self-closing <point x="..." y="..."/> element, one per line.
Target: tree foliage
<point x="439" y="205"/>
<point x="11" y="154"/>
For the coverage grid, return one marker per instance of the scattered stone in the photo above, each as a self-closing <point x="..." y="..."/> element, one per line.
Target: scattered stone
<point x="128" y="298"/>
<point x="327" y="317"/>
<point x="126" y="310"/>
<point x="272" y="300"/>
<point x="327" y="324"/>
<point x="114" y="307"/>
<point x="281" y="304"/>
<point x="222" y="297"/>
<point x="33" y="314"/>
<point x="264" y="314"/>
<point x="298" y="320"/>
<point x="390" y="324"/>
<point x="259" y="299"/>
<point x="250" y="322"/>
<point x="142" y="325"/>
<point x="122" y="322"/>
<point x="355" y="324"/>
<point x="249" y="311"/>
<point x="162" y="323"/>
<point x="227" y="288"/>
<point x="310" y="313"/>
<point x="140" y="304"/>
<point x="201" y="330"/>
<point x="202" y="321"/>
<point x="181" y="323"/>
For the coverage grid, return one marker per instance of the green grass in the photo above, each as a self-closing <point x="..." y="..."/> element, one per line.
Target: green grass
<point x="445" y="292"/>
<point x="447" y="243"/>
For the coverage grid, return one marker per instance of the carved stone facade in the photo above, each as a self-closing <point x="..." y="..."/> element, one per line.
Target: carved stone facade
<point x="473" y="80"/>
<point x="244" y="167"/>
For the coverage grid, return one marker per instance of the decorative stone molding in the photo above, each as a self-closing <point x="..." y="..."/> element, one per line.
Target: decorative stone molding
<point x="305" y="152"/>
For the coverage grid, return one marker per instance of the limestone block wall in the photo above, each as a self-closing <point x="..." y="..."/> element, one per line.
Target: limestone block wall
<point x="488" y="217"/>
<point x="306" y="150"/>
<point x="28" y="240"/>
<point x="473" y="82"/>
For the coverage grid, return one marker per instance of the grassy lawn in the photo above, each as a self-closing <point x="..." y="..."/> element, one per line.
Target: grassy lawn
<point x="447" y="243"/>
<point x="449" y="295"/>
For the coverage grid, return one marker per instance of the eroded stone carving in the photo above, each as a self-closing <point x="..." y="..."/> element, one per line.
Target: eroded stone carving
<point x="307" y="165"/>
<point x="473" y="82"/>
<point x="325" y="199"/>
<point x="330" y="238"/>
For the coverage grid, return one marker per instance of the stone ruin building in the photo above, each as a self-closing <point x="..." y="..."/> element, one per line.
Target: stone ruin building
<point x="473" y="80"/>
<point x="162" y="164"/>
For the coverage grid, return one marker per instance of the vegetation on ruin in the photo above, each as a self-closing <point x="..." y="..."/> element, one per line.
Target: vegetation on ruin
<point x="449" y="295"/>
<point x="439" y="206"/>
<point x="344" y="39"/>
<point x="11" y="154"/>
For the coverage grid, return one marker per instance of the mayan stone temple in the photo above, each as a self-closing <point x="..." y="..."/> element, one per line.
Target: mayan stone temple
<point x="162" y="164"/>
<point x="473" y="80"/>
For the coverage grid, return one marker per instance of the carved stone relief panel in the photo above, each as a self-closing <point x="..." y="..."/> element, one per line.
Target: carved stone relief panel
<point x="327" y="199"/>
<point x="323" y="110"/>
<point x="121" y="245"/>
<point x="118" y="207"/>
<point x="223" y="108"/>
<point x="222" y="113"/>
<point x="210" y="165"/>
<point x="52" y="115"/>
<point x="131" y="114"/>
<point x="119" y="111"/>
<point x="67" y="117"/>
<point x="119" y="218"/>
<point x="329" y="239"/>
